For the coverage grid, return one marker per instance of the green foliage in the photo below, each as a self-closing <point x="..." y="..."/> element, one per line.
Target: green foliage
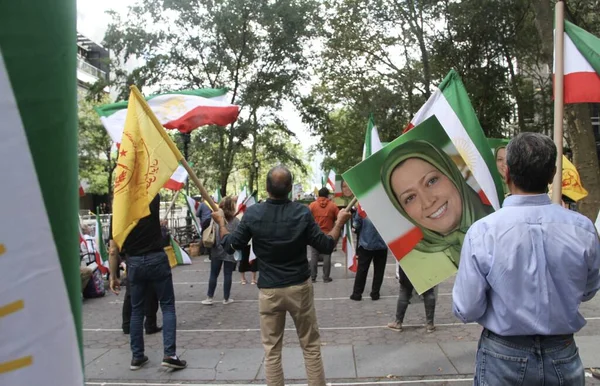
<point x="253" y="47"/>
<point x="96" y="161"/>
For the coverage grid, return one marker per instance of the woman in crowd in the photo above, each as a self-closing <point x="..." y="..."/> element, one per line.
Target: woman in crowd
<point x="219" y="258"/>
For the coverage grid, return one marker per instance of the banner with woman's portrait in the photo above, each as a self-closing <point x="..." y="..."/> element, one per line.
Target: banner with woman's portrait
<point x="421" y="194"/>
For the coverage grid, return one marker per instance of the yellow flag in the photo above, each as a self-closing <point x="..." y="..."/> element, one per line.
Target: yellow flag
<point x="147" y="159"/>
<point x="571" y="182"/>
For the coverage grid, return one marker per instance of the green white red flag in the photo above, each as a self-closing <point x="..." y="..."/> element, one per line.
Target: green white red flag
<point x="331" y="181"/>
<point x="100" y="252"/>
<point x="372" y="145"/>
<point x="193" y="206"/>
<point x="180" y="254"/>
<point x="177" y="180"/>
<point x="348" y="248"/>
<point x="40" y="294"/>
<point x="181" y="110"/>
<point x="582" y="65"/>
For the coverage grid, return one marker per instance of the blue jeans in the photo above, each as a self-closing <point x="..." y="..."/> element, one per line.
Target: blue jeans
<point x="215" y="269"/>
<point x="528" y="360"/>
<point x="151" y="272"/>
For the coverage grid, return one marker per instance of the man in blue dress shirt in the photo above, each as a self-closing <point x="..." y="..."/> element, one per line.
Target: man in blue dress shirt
<point x="524" y="271"/>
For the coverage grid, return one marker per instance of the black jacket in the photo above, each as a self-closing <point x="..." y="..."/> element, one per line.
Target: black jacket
<point x="280" y="231"/>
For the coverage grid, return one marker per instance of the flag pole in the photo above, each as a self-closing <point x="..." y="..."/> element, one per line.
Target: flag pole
<point x="559" y="90"/>
<point x="174" y="149"/>
<point x="351" y="204"/>
<point x="172" y="204"/>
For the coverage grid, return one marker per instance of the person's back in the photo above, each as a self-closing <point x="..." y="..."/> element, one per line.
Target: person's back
<point x="324" y="212"/>
<point x="523" y="272"/>
<point x="539" y="249"/>
<point x="280" y="231"/>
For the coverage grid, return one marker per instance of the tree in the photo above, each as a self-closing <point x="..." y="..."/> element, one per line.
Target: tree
<point x="96" y="160"/>
<point x="253" y="47"/>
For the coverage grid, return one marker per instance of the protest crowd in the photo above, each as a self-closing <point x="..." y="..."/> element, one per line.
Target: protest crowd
<point x="495" y="218"/>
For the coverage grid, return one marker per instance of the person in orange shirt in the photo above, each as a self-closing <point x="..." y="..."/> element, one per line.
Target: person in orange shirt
<point x="325" y="213"/>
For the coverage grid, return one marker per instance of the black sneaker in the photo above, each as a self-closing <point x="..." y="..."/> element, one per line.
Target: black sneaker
<point x="137" y="364"/>
<point x="375" y="296"/>
<point x="314" y="280"/>
<point x="174" y="363"/>
<point x="356" y="297"/>
<point x="328" y="280"/>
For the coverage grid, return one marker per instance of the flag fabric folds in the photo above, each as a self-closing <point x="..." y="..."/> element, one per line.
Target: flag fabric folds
<point x="582" y="65"/>
<point x="178" y="179"/>
<point x="193" y="206"/>
<point x="40" y="294"/>
<point x="348" y="248"/>
<point x="372" y="145"/>
<point x="100" y="252"/>
<point x="147" y="159"/>
<point x="182" y="110"/>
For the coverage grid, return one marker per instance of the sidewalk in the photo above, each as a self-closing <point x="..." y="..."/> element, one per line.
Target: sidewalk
<point x="222" y="342"/>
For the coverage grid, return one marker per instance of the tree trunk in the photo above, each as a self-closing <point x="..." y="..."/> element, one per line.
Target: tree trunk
<point x="579" y="126"/>
<point x="585" y="156"/>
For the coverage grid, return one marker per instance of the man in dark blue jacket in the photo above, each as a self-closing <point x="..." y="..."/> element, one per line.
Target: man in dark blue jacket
<point x="371" y="247"/>
<point x="280" y="231"/>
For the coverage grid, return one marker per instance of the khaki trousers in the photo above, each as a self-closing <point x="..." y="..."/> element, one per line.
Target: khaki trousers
<point x="298" y="300"/>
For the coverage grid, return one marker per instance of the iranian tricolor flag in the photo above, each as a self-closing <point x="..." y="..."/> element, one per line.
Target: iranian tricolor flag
<point x="331" y="180"/>
<point x="248" y="202"/>
<point x="101" y="253"/>
<point x="582" y="65"/>
<point x="81" y="190"/>
<point x="372" y="145"/>
<point x="180" y="255"/>
<point x="348" y="248"/>
<point x="178" y="179"/>
<point x="241" y="199"/>
<point x="181" y="110"/>
<point x="193" y="206"/>
<point x="451" y="105"/>
<point x="40" y="294"/>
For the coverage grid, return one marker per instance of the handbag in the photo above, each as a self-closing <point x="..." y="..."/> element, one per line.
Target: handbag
<point x="209" y="235"/>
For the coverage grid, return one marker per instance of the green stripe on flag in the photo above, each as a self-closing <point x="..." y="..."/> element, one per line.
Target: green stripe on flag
<point x="39" y="46"/>
<point x="109" y="109"/>
<point x="455" y="93"/>
<point x="587" y="44"/>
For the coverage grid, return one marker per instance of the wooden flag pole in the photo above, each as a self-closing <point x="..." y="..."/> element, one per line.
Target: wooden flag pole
<point x="175" y="150"/>
<point x="172" y="204"/>
<point x="351" y="204"/>
<point x="559" y="91"/>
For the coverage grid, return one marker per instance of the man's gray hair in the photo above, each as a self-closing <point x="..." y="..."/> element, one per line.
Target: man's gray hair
<point x="531" y="161"/>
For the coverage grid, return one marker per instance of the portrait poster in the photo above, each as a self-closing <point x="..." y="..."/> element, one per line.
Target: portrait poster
<point x="422" y="192"/>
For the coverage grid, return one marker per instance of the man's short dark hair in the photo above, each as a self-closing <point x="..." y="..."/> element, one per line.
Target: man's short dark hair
<point x="531" y="160"/>
<point x="323" y="192"/>
<point x="279" y="182"/>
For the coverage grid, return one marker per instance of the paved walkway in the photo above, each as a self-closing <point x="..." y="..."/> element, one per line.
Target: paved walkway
<point x="222" y="342"/>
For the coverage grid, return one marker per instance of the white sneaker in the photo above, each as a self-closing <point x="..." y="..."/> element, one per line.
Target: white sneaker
<point x="228" y="301"/>
<point x="207" y="301"/>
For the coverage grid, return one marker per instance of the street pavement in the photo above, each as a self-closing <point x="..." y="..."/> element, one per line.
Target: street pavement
<point x="222" y="342"/>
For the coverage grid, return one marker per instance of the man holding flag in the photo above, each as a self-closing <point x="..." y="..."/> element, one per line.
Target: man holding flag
<point x="147" y="159"/>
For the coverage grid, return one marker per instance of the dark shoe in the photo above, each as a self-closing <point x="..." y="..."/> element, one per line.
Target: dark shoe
<point x="356" y="297"/>
<point x="137" y="364"/>
<point x="174" y="363"/>
<point x="154" y="330"/>
<point x="314" y="280"/>
<point x="328" y="280"/>
<point x="375" y="296"/>
<point x="126" y="330"/>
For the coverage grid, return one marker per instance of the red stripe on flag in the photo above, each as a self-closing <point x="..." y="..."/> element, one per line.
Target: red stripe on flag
<point x="582" y="87"/>
<point x="204" y="115"/>
<point x="354" y="266"/>
<point x="81" y="191"/>
<point x="101" y="266"/>
<point x="484" y="198"/>
<point x="173" y="185"/>
<point x="405" y="243"/>
<point x="408" y="128"/>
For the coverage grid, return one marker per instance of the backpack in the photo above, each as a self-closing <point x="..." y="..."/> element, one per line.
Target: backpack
<point x="95" y="287"/>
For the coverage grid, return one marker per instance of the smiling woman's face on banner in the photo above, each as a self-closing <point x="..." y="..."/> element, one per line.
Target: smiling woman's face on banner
<point x="428" y="196"/>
